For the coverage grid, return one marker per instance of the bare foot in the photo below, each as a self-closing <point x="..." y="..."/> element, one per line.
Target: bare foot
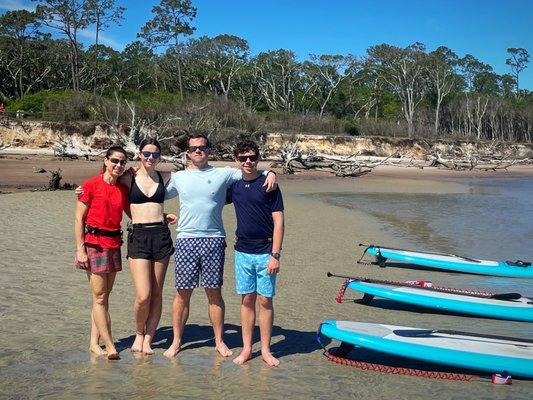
<point x="113" y="356"/>
<point x="137" y="345"/>
<point x="243" y="357"/>
<point x="96" y="349"/>
<point x="172" y="351"/>
<point x="147" y="348"/>
<point x="223" y="350"/>
<point x="269" y="358"/>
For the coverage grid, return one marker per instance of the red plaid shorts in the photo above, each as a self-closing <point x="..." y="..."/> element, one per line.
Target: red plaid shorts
<point x="102" y="261"/>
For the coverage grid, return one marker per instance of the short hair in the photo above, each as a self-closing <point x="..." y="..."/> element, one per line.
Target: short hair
<point x="244" y="146"/>
<point x="198" y="136"/>
<point x="150" y="140"/>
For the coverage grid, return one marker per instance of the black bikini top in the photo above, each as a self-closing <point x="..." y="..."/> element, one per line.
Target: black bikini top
<point x="138" y="197"/>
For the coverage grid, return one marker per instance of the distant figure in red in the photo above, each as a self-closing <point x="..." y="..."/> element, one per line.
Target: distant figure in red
<point x="2" y="108"/>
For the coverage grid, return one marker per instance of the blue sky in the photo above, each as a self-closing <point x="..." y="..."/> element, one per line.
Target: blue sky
<point x="484" y="29"/>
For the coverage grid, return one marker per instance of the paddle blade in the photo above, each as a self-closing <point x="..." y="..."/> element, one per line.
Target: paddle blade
<point x="506" y="296"/>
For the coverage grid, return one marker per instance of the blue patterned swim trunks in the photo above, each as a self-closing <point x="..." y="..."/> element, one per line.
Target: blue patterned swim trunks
<point x="251" y="274"/>
<point x="199" y="261"/>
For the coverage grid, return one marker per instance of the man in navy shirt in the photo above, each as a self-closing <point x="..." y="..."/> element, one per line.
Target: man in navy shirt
<point x="257" y="250"/>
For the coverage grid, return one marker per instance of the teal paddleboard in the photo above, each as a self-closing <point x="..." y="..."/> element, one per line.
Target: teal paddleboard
<point x="452" y="262"/>
<point x="511" y="306"/>
<point x="493" y="354"/>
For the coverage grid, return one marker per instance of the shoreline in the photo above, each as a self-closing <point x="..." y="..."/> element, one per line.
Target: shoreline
<point x="16" y="173"/>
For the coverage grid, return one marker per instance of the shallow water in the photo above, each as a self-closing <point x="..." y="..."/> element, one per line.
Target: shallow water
<point x="491" y="221"/>
<point x="44" y="317"/>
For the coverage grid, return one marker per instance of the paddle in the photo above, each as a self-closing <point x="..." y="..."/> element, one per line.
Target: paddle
<point x="429" y="332"/>
<point x="424" y="252"/>
<point x="497" y="296"/>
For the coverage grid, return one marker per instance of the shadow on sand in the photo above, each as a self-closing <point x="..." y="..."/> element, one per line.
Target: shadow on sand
<point x="196" y="336"/>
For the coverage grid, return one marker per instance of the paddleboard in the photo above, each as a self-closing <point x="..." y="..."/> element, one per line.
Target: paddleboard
<point x="452" y="262"/>
<point x="516" y="308"/>
<point x="493" y="354"/>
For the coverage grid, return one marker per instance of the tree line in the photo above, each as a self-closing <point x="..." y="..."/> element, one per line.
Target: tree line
<point x="390" y="91"/>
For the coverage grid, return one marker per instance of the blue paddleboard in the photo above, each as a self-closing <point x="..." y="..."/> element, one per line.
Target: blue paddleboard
<point x="517" y="307"/>
<point x="452" y="262"/>
<point x="488" y="353"/>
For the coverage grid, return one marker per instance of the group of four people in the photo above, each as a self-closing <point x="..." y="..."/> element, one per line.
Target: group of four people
<point x="200" y="245"/>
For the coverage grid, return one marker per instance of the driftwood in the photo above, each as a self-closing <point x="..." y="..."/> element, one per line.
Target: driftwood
<point x="293" y="159"/>
<point x="470" y="162"/>
<point x="55" y="182"/>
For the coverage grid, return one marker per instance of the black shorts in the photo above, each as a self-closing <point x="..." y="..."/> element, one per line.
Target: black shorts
<point x="149" y="241"/>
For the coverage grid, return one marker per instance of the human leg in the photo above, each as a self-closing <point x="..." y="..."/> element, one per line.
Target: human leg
<point x="141" y="276"/>
<point x="156" y="302"/>
<point x="101" y="285"/>
<point x="94" y="344"/>
<point x="266" y="288"/>
<point x="245" y="284"/>
<point x="247" y="326"/>
<point x="212" y="271"/>
<point x="187" y="276"/>
<point x="216" y="310"/>
<point x="266" y="321"/>
<point x="180" y="314"/>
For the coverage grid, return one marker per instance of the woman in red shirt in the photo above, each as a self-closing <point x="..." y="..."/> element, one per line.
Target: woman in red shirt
<point x="98" y="240"/>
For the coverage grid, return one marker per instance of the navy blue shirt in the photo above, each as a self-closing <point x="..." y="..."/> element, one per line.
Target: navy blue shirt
<point x="254" y="208"/>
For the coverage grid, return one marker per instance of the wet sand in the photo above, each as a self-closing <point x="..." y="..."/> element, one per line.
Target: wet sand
<point x="44" y="312"/>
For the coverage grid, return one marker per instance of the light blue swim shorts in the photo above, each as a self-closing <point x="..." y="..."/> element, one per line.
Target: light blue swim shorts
<point x="251" y="275"/>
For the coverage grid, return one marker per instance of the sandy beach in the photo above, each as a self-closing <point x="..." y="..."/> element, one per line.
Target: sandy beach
<point x="44" y="312"/>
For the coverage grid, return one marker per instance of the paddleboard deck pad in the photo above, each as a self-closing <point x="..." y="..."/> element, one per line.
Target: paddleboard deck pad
<point x="489" y="353"/>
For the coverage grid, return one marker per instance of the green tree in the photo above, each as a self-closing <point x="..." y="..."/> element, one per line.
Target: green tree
<point x="403" y="70"/>
<point x="18" y="28"/>
<point x="171" y="20"/>
<point x="278" y="78"/>
<point x="218" y="60"/>
<point x="102" y="13"/>
<point x="440" y="68"/>
<point x="324" y="73"/>
<point x="518" y="60"/>
<point x="67" y="17"/>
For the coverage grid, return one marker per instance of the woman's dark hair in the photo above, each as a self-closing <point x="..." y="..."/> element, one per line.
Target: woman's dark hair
<point x="197" y="136"/>
<point x="111" y="151"/>
<point x="149" y="140"/>
<point x="244" y="146"/>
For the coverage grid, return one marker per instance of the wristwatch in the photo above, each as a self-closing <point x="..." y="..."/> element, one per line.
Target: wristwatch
<point x="276" y="255"/>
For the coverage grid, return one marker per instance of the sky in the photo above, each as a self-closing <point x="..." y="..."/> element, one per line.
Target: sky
<point x="483" y="28"/>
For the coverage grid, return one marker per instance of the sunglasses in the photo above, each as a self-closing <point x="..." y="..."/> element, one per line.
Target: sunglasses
<point x="253" y="158"/>
<point x="117" y="161"/>
<point x="154" y="154"/>
<point x="203" y="149"/>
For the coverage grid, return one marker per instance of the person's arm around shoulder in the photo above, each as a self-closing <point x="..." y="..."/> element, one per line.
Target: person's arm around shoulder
<point x="171" y="184"/>
<point x="270" y="181"/>
<point x="235" y="174"/>
<point x="277" y="241"/>
<point x="126" y="178"/>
